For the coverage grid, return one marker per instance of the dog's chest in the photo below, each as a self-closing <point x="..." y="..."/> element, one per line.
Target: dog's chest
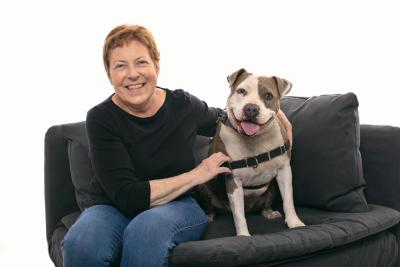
<point x="263" y="174"/>
<point x="238" y="150"/>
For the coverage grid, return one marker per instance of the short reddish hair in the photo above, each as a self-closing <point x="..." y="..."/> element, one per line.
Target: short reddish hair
<point x="122" y="35"/>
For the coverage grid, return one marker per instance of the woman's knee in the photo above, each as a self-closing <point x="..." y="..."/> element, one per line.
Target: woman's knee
<point x="150" y="236"/>
<point x="95" y="239"/>
<point x="166" y="220"/>
<point x="79" y="248"/>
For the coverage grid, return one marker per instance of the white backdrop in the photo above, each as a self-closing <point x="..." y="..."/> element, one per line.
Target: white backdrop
<point x="52" y="72"/>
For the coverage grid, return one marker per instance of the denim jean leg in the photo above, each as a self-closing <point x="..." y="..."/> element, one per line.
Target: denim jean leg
<point x="95" y="239"/>
<point x="150" y="236"/>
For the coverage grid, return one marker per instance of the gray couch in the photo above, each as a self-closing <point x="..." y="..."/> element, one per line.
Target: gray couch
<point x="346" y="189"/>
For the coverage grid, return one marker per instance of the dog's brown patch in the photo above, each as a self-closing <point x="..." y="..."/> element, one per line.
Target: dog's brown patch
<point x="217" y="145"/>
<point x="267" y="85"/>
<point x="283" y="85"/>
<point x="230" y="185"/>
<point x="236" y="78"/>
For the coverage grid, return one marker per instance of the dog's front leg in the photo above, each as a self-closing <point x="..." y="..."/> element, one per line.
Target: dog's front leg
<point x="284" y="179"/>
<point x="236" y="202"/>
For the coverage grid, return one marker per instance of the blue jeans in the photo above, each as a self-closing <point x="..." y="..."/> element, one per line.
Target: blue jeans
<point x="103" y="236"/>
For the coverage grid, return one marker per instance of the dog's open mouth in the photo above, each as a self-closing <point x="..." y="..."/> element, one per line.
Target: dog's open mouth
<point x="244" y="127"/>
<point x="249" y="128"/>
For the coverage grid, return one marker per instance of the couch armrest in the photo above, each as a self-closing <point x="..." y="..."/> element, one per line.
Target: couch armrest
<point x="59" y="191"/>
<point x="380" y="151"/>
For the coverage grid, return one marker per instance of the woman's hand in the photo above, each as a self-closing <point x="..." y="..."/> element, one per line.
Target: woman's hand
<point x="288" y="126"/>
<point x="211" y="167"/>
<point x="164" y="190"/>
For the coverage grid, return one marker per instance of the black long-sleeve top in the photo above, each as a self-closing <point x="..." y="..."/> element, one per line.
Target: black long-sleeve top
<point x="128" y="151"/>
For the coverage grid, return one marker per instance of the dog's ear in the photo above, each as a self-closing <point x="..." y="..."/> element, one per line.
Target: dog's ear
<point x="283" y="85"/>
<point x="235" y="76"/>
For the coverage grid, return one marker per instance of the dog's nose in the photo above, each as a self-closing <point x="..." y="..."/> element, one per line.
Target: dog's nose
<point x="251" y="111"/>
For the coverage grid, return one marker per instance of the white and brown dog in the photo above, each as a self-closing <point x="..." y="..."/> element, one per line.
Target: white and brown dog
<point x="258" y="145"/>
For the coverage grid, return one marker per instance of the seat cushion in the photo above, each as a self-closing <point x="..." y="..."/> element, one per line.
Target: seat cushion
<point x="273" y="241"/>
<point x="380" y="250"/>
<point x="326" y="160"/>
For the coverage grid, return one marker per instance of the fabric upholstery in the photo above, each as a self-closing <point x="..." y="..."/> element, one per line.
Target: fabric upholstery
<point x="326" y="161"/>
<point x="380" y="147"/>
<point x="87" y="188"/>
<point x="324" y="230"/>
<point x="60" y="199"/>
<point x="380" y="248"/>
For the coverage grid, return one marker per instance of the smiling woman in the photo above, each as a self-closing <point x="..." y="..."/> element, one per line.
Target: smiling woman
<point x="141" y="141"/>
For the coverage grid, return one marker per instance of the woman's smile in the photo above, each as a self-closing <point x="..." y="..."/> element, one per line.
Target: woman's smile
<point x="134" y="86"/>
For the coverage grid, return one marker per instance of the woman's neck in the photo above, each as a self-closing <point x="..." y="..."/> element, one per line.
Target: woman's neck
<point x="145" y="110"/>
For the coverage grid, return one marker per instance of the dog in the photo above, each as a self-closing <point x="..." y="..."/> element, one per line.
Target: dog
<point x="254" y="138"/>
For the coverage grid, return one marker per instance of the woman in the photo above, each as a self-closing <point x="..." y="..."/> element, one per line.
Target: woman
<point x="141" y="142"/>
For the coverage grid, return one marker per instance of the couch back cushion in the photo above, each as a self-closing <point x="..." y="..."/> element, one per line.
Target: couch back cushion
<point x="380" y="150"/>
<point x="87" y="189"/>
<point x="326" y="160"/>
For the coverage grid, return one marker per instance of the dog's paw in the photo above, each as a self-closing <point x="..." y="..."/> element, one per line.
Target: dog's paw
<point x="243" y="233"/>
<point x="294" y="223"/>
<point x="271" y="214"/>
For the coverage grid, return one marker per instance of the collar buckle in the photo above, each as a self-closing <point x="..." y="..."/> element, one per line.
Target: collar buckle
<point x="254" y="165"/>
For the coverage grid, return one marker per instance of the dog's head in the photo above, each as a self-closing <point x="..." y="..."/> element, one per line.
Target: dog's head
<point x="254" y="101"/>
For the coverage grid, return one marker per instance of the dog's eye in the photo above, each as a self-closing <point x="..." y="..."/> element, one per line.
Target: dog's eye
<point x="268" y="96"/>
<point x="241" y="91"/>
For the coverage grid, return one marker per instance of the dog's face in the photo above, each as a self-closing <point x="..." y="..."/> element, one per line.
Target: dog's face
<point x="254" y="101"/>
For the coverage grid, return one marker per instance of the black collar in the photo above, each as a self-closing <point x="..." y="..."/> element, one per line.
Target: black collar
<point x="254" y="161"/>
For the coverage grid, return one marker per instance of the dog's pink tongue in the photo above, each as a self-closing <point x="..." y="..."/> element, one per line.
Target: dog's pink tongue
<point x="249" y="128"/>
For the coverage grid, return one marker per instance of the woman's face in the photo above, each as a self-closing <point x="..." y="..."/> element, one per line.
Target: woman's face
<point x="133" y="74"/>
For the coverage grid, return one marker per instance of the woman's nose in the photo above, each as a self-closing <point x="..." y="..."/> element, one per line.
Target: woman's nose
<point x="133" y="73"/>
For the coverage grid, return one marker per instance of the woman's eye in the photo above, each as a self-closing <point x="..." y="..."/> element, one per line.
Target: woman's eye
<point x="142" y="62"/>
<point x="119" y="66"/>
<point x="268" y="96"/>
<point x="241" y="91"/>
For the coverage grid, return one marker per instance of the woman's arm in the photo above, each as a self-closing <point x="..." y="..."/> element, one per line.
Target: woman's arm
<point x="164" y="190"/>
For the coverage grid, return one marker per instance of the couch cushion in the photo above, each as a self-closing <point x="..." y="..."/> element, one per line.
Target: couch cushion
<point x="273" y="241"/>
<point x="326" y="161"/>
<point x="87" y="190"/>
<point x="380" y="150"/>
